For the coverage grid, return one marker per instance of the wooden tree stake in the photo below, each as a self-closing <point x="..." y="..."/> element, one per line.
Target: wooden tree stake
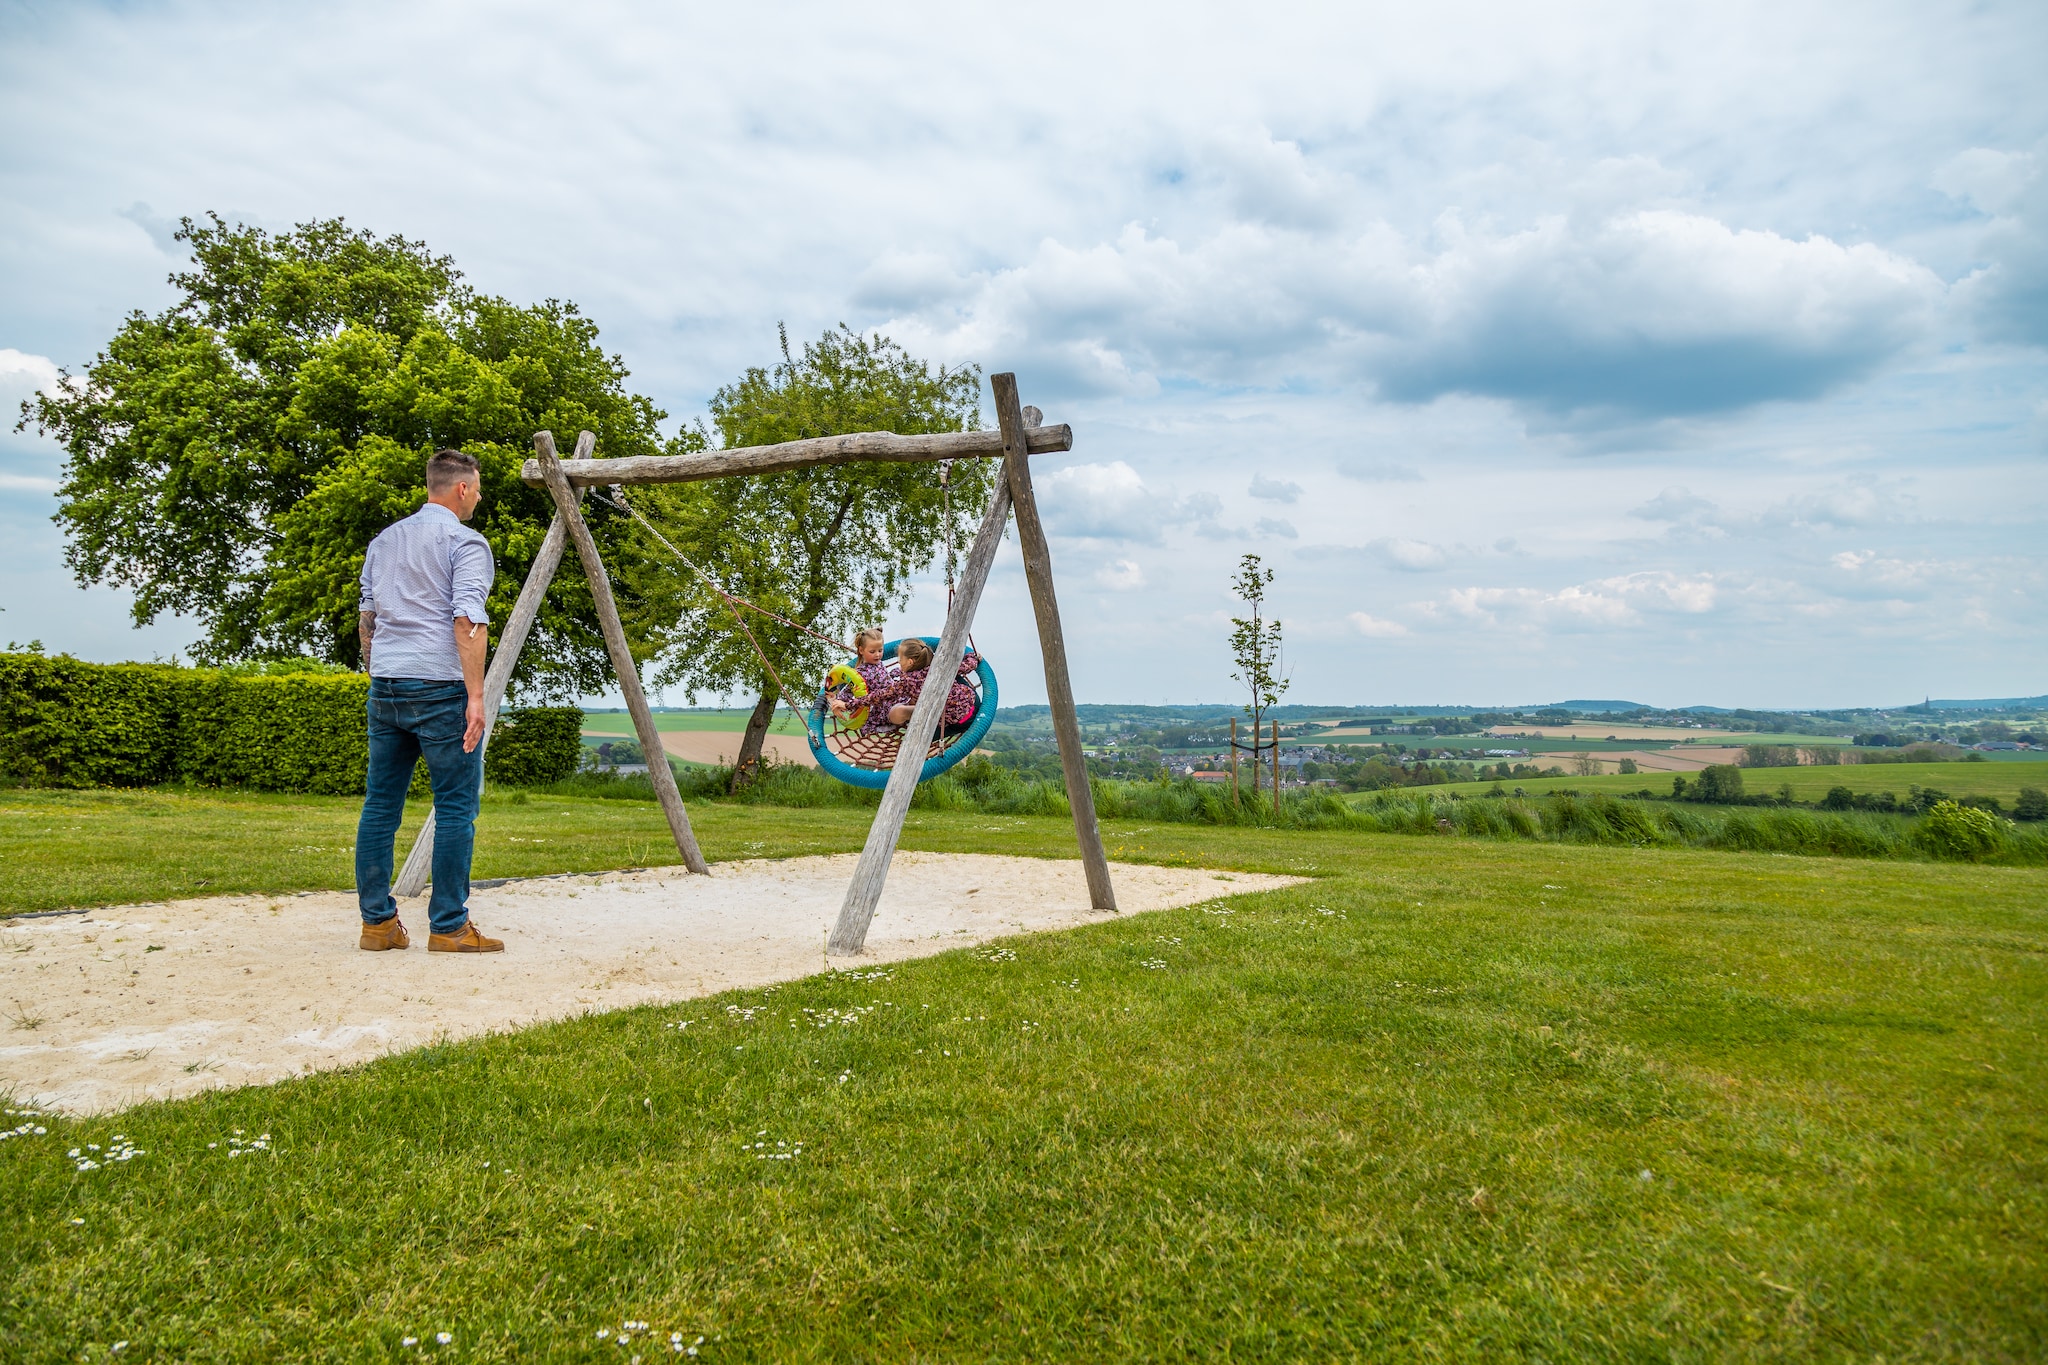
<point x="1276" y="767"/>
<point x="1233" y="762"/>
<point x="1059" y="688"/>
<point x="419" y="864"/>
<point x="622" y="656"/>
<point x="858" y="910"/>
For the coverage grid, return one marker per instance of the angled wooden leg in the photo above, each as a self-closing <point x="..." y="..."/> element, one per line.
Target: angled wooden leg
<point x="622" y="656"/>
<point x="858" y="910"/>
<point x="419" y="864"/>
<point x="1059" y="688"/>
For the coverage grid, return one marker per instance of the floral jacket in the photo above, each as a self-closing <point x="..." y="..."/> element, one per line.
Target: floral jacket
<point x="902" y="690"/>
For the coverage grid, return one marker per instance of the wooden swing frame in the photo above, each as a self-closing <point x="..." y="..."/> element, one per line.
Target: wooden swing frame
<point x="1019" y="435"/>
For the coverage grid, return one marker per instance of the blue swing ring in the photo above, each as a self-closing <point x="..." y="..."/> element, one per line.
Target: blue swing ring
<point x="874" y="779"/>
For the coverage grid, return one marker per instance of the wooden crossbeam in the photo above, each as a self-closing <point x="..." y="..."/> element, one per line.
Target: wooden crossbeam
<point x="821" y="450"/>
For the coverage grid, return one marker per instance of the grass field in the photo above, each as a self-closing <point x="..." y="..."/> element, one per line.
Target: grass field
<point x="620" y="723"/>
<point x="1450" y="1101"/>
<point x="1808" y="783"/>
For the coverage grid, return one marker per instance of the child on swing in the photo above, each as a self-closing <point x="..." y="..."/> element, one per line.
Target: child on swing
<point x="890" y="700"/>
<point x="867" y="663"/>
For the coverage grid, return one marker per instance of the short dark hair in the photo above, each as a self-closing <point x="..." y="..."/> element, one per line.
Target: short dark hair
<point x="449" y="466"/>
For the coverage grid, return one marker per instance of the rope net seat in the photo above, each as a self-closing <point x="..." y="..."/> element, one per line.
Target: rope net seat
<point x="865" y="757"/>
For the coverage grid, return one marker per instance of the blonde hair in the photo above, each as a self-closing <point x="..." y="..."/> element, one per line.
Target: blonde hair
<point x="920" y="653"/>
<point x="865" y="634"/>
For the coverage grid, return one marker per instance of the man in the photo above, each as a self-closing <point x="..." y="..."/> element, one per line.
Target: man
<point x="426" y="581"/>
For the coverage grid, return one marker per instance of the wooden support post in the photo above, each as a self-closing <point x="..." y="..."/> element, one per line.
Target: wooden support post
<point x="1233" y="762"/>
<point x="1276" y="768"/>
<point x="1052" y="641"/>
<point x="622" y="656"/>
<point x="419" y="864"/>
<point x="865" y="891"/>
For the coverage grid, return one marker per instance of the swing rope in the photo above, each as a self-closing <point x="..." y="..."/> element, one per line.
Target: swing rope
<point x="735" y="603"/>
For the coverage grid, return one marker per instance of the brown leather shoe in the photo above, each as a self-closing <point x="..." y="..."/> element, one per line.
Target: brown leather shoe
<point x="464" y="940"/>
<point x="390" y="934"/>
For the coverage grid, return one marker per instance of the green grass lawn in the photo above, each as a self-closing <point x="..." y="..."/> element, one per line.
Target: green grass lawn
<point x="1452" y="1100"/>
<point x="620" y="723"/>
<point x="1809" y="783"/>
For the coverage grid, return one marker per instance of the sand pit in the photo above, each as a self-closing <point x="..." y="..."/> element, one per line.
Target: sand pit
<point x="144" y="1002"/>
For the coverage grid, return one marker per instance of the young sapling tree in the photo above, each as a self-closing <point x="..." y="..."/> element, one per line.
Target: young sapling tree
<point x="1255" y="645"/>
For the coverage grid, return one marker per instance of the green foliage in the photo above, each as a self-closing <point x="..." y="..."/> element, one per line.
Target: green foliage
<point x="1255" y="644"/>
<point x="533" y="746"/>
<point x="282" y="729"/>
<point x="1961" y="833"/>
<point x="2033" y="804"/>
<point x="1718" y="783"/>
<point x="831" y="548"/>
<point x="231" y="457"/>
<point x="1255" y="648"/>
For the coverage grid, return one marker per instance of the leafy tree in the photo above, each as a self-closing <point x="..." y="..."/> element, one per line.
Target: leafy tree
<point x="231" y="457"/>
<point x="1720" y="783"/>
<point x="831" y="548"/>
<point x="1255" y="646"/>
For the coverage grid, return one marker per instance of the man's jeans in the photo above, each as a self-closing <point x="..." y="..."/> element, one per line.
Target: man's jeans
<point x="411" y="718"/>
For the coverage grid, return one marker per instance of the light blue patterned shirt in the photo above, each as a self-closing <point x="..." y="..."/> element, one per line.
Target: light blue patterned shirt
<point x="419" y="575"/>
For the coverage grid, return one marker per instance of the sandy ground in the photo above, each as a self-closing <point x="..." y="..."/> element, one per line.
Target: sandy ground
<point x="719" y="746"/>
<point x="143" y="1002"/>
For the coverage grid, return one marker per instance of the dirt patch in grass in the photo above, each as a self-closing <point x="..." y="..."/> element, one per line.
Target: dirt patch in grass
<point x="134" y="1003"/>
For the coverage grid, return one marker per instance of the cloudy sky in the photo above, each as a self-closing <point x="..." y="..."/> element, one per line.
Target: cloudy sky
<point x="1673" y="353"/>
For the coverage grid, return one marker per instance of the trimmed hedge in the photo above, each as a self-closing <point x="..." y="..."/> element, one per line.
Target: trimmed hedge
<point x="535" y="746"/>
<point x="67" y="723"/>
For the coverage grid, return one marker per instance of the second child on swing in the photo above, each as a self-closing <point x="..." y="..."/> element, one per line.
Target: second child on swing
<point x="890" y="700"/>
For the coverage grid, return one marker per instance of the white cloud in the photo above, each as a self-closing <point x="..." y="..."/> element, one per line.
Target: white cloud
<point x="1278" y="527"/>
<point x="1676" y="503"/>
<point x="1621" y="600"/>
<point x="1379" y="471"/>
<point x="1860" y="501"/>
<point x="1651" y="312"/>
<point x="1274" y="490"/>
<point x="2008" y="295"/>
<point x="1121" y="575"/>
<point x="1410" y="556"/>
<point x="1372" y="627"/>
<point x="1113" y="502"/>
<point x="22" y="373"/>
<point x="1654" y="312"/>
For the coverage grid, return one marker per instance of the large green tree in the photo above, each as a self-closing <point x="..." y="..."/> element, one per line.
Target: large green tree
<point x="231" y="457"/>
<point x="831" y="548"/>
